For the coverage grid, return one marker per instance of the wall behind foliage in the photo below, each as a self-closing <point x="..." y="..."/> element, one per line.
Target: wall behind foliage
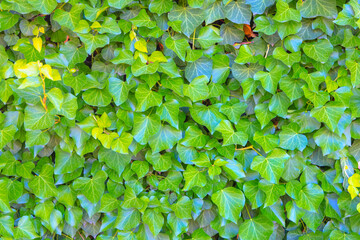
<point x="191" y="119"/>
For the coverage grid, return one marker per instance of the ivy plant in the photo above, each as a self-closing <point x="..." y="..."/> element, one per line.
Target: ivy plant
<point x="179" y="119"/>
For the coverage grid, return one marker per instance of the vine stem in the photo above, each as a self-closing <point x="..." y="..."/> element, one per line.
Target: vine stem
<point x="43" y="100"/>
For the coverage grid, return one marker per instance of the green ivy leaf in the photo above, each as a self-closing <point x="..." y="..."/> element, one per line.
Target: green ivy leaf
<point x="154" y="220"/>
<point x="269" y="80"/>
<point x="165" y="138"/>
<point x="230" y="202"/>
<point x="67" y="162"/>
<point x="267" y="141"/>
<point x="69" y="19"/>
<point x="238" y="12"/>
<point x="7" y="135"/>
<point x="208" y="116"/>
<point x="259" y="6"/>
<point x="263" y="114"/>
<point x="169" y="111"/>
<point x="146" y="98"/>
<point x="288" y="58"/>
<point x="145" y="126"/>
<point x="330" y="114"/>
<point x="140" y="68"/>
<point x="259" y="227"/>
<point x="272" y="166"/>
<point x="291" y="139"/>
<point x="229" y="135"/>
<point x="143" y="20"/>
<point x="198" y="89"/>
<point x="179" y="46"/>
<point x="43" y="6"/>
<point x="190" y="18"/>
<point x="43" y="185"/>
<point x="160" y="6"/>
<point x="285" y="14"/>
<point x="92" y="188"/>
<point x="193" y="178"/>
<point x="25" y="229"/>
<point x="208" y="36"/>
<point x="183" y="208"/>
<point x="97" y="97"/>
<point x="328" y="141"/>
<point x="92" y="42"/>
<point x="310" y="197"/>
<point x="315" y="8"/>
<point x="36" y="117"/>
<point x="319" y="51"/>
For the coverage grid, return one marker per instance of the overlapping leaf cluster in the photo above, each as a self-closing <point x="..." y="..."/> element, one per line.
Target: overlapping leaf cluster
<point x="187" y="119"/>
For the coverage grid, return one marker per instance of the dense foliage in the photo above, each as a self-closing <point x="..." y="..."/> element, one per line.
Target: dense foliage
<point x="187" y="119"/>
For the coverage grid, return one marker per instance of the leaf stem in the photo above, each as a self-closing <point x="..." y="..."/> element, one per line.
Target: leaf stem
<point x="244" y="148"/>
<point x="193" y="42"/>
<point x="248" y="211"/>
<point x="303" y="224"/>
<point x="249" y="147"/>
<point x="267" y="51"/>
<point x="117" y="230"/>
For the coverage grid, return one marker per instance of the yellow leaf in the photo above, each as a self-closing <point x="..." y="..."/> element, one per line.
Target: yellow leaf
<point x="354" y="180"/>
<point x="157" y="56"/>
<point x="96" y="24"/>
<point x="100" y="12"/>
<point x="132" y="35"/>
<point x="30" y="69"/>
<point x="141" y="45"/>
<point x="19" y="64"/>
<point x="96" y="131"/>
<point x="358" y="207"/>
<point x="56" y="75"/>
<point x="46" y="71"/>
<point x="37" y="42"/>
<point x="42" y="30"/>
<point x="353" y="191"/>
<point x="36" y="31"/>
